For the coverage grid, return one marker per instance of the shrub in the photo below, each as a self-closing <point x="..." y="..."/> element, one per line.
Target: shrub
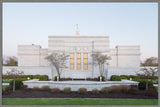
<point x="41" y="77"/>
<point x="45" y="88"/>
<point x="103" y="78"/>
<point x="142" y="84"/>
<point x="151" y="91"/>
<point x="36" y="88"/>
<point x="55" y="78"/>
<point x="134" y="86"/>
<point x="67" y="90"/>
<point x="124" y="88"/>
<point x="82" y="91"/>
<point x="133" y="91"/>
<point x="18" y="83"/>
<point x="26" y="76"/>
<point x="95" y="91"/>
<point x="5" y="76"/>
<point x="9" y="88"/>
<point x="105" y="90"/>
<point x="55" y="90"/>
<point x="7" y="91"/>
<point x="132" y="76"/>
<point x="3" y="92"/>
<point x="115" y="89"/>
<point x="115" y="78"/>
<point x="124" y="77"/>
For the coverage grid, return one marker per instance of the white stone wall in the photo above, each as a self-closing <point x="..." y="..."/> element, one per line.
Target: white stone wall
<point x="31" y="55"/>
<point x="125" y="56"/>
<point x="125" y="60"/>
<point x="78" y="43"/>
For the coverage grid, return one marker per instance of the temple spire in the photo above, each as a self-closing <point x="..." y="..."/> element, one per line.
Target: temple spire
<point x="77" y="32"/>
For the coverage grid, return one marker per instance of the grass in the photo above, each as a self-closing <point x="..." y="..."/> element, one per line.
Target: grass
<point x="4" y="87"/>
<point x="77" y="101"/>
<point x="156" y="87"/>
<point x="7" y="80"/>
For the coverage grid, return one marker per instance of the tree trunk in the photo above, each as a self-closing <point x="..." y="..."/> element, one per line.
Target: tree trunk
<point x="107" y="72"/>
<point x="147" y="83"/>
<point x="13" y="85"/>
<point x="52" y="74"/>
<point x="100" y="69"/>
<point x="103" y="69"/>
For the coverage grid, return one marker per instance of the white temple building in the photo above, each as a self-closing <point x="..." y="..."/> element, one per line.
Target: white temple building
<point x="125" y="59"/>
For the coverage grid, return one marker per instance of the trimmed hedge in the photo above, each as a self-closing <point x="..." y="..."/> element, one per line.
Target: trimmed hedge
<point x="134" y="77"/>
<point x="115" y="78"/>
<point x="41" y="77"/>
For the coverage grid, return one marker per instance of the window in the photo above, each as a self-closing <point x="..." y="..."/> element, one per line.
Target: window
<point x="78" y="61"/>
<point x="72" y="61"/>
<point x="85" y="61"/>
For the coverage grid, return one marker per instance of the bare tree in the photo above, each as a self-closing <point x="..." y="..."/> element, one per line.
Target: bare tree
<point x="14" y="74"/>
<point x="10" y="61"/>
<point x="100" y="60"/>
<point x="152" y="61"/>
<point x="57" y="60"/>
<point x="148" y="72"/>
<point x="153" y="71"/>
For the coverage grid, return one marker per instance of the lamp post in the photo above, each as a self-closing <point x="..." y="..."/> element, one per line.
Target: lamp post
<point x="92" y="57"/>
<point x="57" y="78"/>
<point x="107" y="70"/>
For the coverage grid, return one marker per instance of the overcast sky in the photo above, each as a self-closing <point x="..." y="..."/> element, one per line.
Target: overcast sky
<point x="124" y="23"/>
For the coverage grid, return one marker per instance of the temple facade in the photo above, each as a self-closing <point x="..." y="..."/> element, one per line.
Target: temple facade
<point x="125" y="59"/>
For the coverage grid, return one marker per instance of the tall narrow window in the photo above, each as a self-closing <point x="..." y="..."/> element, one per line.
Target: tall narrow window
<point x="85" y="61"/>
<point x="72" y="61"/>
<point x="78" y="61"/>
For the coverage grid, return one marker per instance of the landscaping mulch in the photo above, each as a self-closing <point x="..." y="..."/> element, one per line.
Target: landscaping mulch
<point x="48" y="94"/>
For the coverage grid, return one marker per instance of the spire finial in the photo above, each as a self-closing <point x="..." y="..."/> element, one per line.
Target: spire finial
<point x="77" y="30"/>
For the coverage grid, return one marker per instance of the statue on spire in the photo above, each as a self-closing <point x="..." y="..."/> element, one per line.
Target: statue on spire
<point x="77" y="32"/>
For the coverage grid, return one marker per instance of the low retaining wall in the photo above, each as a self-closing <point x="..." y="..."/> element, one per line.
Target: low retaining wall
<point x="75" y="85"/>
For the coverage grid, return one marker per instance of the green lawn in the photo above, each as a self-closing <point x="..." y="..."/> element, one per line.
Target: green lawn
<point x="156" y="87"/>
<point x="76" y="101"/>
